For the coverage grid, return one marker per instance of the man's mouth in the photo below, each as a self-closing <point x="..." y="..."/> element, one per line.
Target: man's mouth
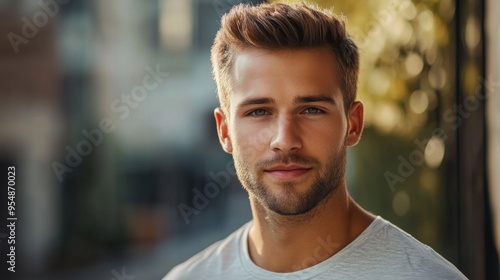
<point x="287" y="172"/>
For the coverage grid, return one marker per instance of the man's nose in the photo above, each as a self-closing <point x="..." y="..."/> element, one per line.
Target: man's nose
<point x="286" y="135"/>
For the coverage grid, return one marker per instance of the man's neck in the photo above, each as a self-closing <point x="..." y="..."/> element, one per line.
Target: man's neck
<point x="281" y="243"/>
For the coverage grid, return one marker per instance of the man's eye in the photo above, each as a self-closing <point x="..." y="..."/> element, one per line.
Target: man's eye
<point x="313" y="110"/>
<point x="258" y="112"/>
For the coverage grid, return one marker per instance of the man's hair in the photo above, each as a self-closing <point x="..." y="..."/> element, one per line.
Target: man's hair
<point x="277" y="27"/>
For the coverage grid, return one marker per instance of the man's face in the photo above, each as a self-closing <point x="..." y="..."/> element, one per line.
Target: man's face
<point x="287" y="128"/>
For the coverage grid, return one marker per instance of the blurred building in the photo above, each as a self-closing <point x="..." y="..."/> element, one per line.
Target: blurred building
<point x="69" y="67"/>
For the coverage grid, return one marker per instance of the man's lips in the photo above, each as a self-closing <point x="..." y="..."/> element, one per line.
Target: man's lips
<point x="287" y="171"/>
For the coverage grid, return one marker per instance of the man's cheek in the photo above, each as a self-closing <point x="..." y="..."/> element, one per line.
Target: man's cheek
<point x="263" y="136"/>
<point x="247" y="152"/>
<point x="245" y="145"/>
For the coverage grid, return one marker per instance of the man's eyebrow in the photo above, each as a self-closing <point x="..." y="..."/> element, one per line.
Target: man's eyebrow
<point x="255" y="101"/>
<point x="310" y="99"/>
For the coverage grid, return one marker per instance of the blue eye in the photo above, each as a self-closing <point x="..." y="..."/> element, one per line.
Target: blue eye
<point x="313" y="110"/>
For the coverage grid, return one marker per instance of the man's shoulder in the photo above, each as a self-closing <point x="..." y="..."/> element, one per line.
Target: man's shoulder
<point x="400" y="251"/>
<point x="219" y="256"/>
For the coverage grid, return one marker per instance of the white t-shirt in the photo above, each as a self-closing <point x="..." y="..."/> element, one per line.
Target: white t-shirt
<point x="381" y="251"/>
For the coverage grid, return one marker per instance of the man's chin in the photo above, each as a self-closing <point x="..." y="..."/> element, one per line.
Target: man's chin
<point x="292" y="202"/>
<point x="288" y="208"/>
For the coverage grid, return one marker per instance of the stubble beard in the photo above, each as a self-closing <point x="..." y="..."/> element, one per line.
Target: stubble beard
<point x="288" y="200"/>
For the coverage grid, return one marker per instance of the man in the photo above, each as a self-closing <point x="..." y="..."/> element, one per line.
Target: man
<point x="286" y="79"/>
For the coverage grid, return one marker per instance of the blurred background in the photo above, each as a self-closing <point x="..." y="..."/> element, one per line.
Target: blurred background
<point x="106" y="114"/>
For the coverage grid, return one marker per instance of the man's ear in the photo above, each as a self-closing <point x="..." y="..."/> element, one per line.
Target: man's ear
<point x="223" y="130"/>
<point x="355" y="118"/>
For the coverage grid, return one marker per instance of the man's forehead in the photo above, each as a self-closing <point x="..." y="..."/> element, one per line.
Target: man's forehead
<point x="301" y="64"/>
<point x="259" y="61"/>
<point x="266" y="74"/>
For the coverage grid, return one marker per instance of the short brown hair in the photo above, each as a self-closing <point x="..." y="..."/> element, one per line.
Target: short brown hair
<point x="279" y="26"/>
